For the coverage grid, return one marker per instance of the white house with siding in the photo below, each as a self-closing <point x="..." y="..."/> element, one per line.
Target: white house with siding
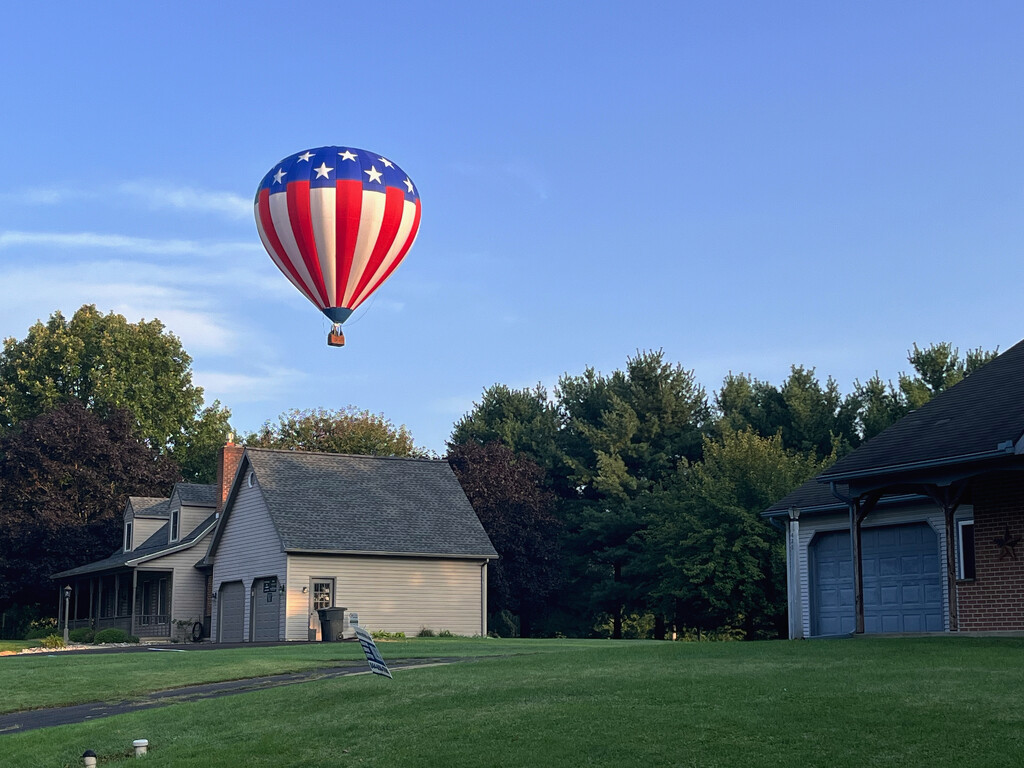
<point x="150" y="587"/>
<point x="393" y="539"/>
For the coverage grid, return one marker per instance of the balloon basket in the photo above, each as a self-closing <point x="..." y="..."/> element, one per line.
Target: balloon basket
<point x="336" y="339"/>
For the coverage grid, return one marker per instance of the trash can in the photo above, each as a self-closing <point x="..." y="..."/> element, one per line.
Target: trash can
<point x="332" y="623"/>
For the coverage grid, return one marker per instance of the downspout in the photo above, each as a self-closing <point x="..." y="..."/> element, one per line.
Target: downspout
<point x="483" y="599"/>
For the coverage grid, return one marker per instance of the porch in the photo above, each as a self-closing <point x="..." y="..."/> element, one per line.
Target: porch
<point x="137" y="602"/>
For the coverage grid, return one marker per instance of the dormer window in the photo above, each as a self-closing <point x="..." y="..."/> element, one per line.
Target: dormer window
<point x="128" y="537"/>
<point x="175" y="524"/>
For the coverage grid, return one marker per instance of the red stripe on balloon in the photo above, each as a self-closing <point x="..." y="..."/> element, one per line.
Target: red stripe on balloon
<point x="394" y="265"/>
<point x="302" y="227"/>
<point x="267" y="221"/>
<point x="394" y="204"/>
<point x="349" y="206"/>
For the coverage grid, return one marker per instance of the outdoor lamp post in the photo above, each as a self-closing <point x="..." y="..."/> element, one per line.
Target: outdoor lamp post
<point x="67" y="605"/>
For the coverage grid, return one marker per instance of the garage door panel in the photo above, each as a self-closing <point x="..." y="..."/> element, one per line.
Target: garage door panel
<point x="902" y="581"/>
<point x="231" y="599"/>
<point x="266" y="610"/>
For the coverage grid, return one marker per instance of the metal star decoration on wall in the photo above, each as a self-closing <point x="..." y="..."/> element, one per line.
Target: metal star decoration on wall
<point x="1007" y="544"/>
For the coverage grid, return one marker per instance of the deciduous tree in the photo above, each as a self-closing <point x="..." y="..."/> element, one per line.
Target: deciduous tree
<point x="346" y="430"/>
<point x="65" y="477"/>
<point x="509" y="495"/>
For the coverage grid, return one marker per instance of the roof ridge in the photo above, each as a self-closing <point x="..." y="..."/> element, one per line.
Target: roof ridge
<point x="297" y="452"/>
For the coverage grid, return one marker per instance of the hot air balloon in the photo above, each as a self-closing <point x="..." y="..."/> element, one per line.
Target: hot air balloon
<point x="337" y="221"/>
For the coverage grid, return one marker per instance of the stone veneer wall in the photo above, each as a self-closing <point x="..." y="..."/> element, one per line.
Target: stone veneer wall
<point x="994" y="600"/>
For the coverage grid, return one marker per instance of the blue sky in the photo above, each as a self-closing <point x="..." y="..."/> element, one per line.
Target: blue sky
<point x="744" y="185"/>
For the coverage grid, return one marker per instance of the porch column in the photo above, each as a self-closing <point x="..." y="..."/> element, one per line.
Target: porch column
<point x="859" y="509"/>
<point x="948" y="500"/>
<point x="135" y="588"/>
<point x="92" y="603"/>
<point x="793" y="597"/>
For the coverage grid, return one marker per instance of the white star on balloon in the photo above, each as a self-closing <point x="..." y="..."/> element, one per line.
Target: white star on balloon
<point x="305" y="156"/>
<point x="346" y="155"/>
<point x="279" y="175"/>
<point x="322" y="171"/>
<point x="373" y="173"/>
<point x="408" y="183"/>
<point x="387" y="163"/>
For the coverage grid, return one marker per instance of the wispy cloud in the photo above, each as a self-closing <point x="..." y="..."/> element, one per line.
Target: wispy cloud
<point x="143" y="245"/>
<point x="153" y="195"/>
<point x="188" y="199"/>
<point x="260" y="386"/>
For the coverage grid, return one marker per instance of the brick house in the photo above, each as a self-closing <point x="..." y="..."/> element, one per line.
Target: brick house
<point x="921" y="528"/>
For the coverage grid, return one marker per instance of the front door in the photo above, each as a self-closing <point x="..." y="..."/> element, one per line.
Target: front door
<point x="321" y="595"/>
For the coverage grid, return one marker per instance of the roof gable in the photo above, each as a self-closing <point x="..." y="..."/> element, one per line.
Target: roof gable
<point x="195" y="494"/>
<point x="340" y="503"/>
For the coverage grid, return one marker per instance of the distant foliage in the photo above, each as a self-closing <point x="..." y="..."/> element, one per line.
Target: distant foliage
<point x="346" y="430"/>
<point x="52" y="641"/>
<point x="656" y="494"/>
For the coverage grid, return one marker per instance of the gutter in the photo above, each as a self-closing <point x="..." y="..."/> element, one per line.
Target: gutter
<point x="384" y="553"/>
<point x="1004" y="449"/>
<point x="836" y="507"/>
<point x="171" y="550"/>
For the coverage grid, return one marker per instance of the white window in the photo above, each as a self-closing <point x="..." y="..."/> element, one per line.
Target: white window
<point x="175" y="523"/>
<point x="128" y="537"/>
<point x="965" y="549"/>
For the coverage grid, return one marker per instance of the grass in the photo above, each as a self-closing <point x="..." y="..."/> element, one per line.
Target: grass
<point x="17" y="645"/>
<point x="932" y="701"/>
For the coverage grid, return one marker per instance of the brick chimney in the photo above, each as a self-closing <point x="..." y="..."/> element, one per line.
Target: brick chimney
<point x="227" y="465"/>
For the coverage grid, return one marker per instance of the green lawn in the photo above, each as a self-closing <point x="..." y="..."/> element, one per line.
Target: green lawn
<point x="17" y="645"/>
<point x="933" y="702"/>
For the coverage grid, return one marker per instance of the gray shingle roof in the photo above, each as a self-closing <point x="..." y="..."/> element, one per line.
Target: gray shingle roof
<point x="151" y="546"/>
<point x="326" y="502"/>
<point x="972" y="419"/>
<point x="196" y="495"/>
<point x="149" y="506"/>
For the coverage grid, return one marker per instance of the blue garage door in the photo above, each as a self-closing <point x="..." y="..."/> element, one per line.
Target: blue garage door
<point x="902" y="582"/>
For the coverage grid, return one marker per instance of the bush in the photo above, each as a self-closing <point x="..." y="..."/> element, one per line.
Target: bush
<point x="41" y="628"/>
<point x="114" y="636"/>
<point x="446" y="633"/>
<point x="425" y="632"/>
<point x="53" y="641"/>
<point x="81" y="635"/>
<point x="382" y="635"/>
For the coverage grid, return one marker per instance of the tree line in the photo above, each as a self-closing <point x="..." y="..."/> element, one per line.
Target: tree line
<point x="621" y="505"/>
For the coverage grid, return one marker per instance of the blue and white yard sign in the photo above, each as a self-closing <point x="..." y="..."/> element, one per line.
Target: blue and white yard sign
<point x="373" y="657"/>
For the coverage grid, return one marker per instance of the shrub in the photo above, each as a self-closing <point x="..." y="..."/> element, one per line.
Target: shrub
<point x="53" y="641"/>
<point x="446" y="633"/>
<point x="425" y="632"/>
<point x="41" y="628"/>
<point x="81" y="635"/>
<point x="382" y="635"/>
<point x="114" y="636"/>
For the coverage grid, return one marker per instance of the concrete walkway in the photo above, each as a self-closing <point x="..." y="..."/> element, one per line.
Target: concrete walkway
<point x="28" y="720"/>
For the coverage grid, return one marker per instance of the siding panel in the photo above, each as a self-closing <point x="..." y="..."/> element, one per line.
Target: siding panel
<point x="249" y="548"/>
<point x="393" y="594"/>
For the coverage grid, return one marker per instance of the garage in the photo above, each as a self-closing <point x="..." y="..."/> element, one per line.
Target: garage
<point x="902" y="581"/>
<point x="266" y="610"/>
<point x="231" y="616"/>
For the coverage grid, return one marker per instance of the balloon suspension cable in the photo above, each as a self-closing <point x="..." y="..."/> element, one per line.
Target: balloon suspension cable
<point x="335" y="338"/>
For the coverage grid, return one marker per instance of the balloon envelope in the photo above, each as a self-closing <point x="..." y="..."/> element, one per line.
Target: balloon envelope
<point x="337" y="221"/>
